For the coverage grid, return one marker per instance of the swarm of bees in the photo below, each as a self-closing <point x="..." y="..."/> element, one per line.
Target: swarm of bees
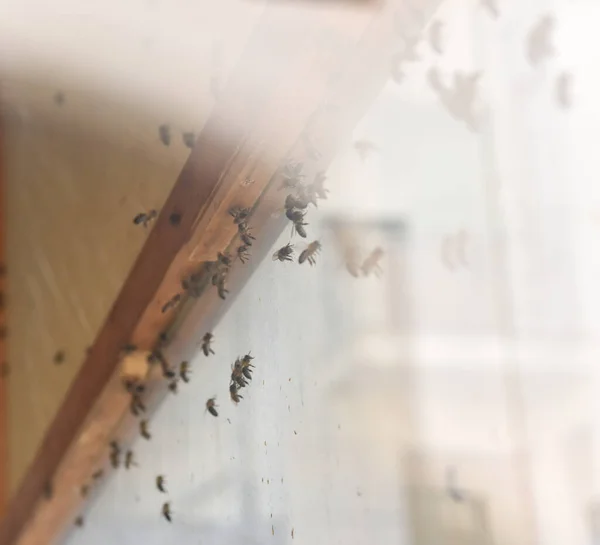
<point x="241" y="376"/>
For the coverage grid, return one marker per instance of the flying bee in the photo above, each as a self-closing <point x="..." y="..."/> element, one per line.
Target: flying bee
<point x="211" y="406"/>
<point x="371" y="263"/>
<point x="233" y="393"/>
<point x="129" y="461"/>
<point x="242" y="253"/>
<point x="145" y="218"/>
<point x="171" y="303"/>
<point x="239" y="214"/>
<point x="206" y="344"/>
<point x="59" y="357"/>
<point x="166" y="511"/>
<point x="297" y="218"/>
<point x="292" y="175"/>
<point x="310" y="253"/>
<point x="184" y="371"/>
<point x="164" y="133"/>
<point x="173" y="386"/>
<point x="284" y="253"/>
<point x="161" y="484"/>
<point x="189" y="138"/>
<point x="144" y="430"/>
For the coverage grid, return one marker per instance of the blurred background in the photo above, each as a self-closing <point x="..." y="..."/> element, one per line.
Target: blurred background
<point x="447" y="394"/>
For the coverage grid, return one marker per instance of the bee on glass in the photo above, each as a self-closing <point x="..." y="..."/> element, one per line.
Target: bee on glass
<point x="310" y="253"/>
<point x="292" y="175"/>
<point x="206" y="344"/>
<point x="285" y="253"/>
<point x="145" y="218"/>
<point x="233" y="393"/>
<point x="245" y="235"/>
<point x="137" y="405"/>
<point x="129" y="461"/>
<point x="184" y="371"/>
<point x="297" y="219"/>
<point x="237" y="375"/>
<point x="84" y="490"/>
<point x="173" y="386"/>
<point x="239" y="214"/>
<point x="171" y="303"/>
<point x="292" y="201"/>
<point x="242" y="253"/>
<point x="371" y="263"/>
<point x="211" y="406"/>
<point x="144" y="430"/>
<point x="157" y="355"/>
<point x="115" y="454"/>
<point x="79" y="521"/>
<point x="161" y="484"/>
<point x="166" y="511"/>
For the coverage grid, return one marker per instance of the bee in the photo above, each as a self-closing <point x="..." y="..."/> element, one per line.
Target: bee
<point x="293" y="201"/>
<point x="173" y="386"/>
<point x="133" y="386"/>
<point x="292" y="175"/>
<point x="239" y="214"/>
<point x="310" y="253"/>
<point x="145" y="218"/>
<point x="128" y="348"/>
<point x="242" y="253"/>
<point x="144" y="430"/>
<point x="237" y="375"/>
<point x="189" y="138"/>
<point x="59" y="357"/>
<point x="166" y="511"/>
<point x="98" y="474"/>
<point x="221" y="290"/>
<point x="285" y="253"/>
<point x="247" y="366"/>
<point x="317" y="189"/>
<point x="223" y="260"/>
<point x="233" y="393"/>
<point x="161" y="484"/>
<point x="115" y="458"/>
<point x="371" y="263"/>
<point x="206" y="344"/>
<point x="157" y="355"/>
<point x="184" y="370"/>
<point x="297" y="218"/>
<point x="211" y="406"/>
<point x="114" y="446"/>
<point x="79" y="521"/>
<point x="246" y="360"/>
<point x="164" y="133"/>
<point x="245" y="235"/>
<point x="129" y="461"/>
<point x="171" y="303"/>
<point x="84" y="490"/>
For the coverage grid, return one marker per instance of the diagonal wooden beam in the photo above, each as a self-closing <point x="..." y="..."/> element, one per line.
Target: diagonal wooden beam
<point x="4" y="369"/>
<point x="330" y="66"/>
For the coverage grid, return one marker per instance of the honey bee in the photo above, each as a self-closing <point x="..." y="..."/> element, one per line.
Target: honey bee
<point x="371" y="263"/>
<point x="247" y="366"/>
<point x="114" y="446"/>
<point x="189" y="138"/>
<point x="245" y="235"/>
<point x="137" y="405"/>
<point x="157" y="355"/>
<point x="221" y="290"/>
<point x="166" y="511"/>
<point x="237" y="375"/>
<point x="133" y="386"/>
<point x="239" y="214"/>
<point x="115" y="458"/>
<point x="242" y="253"/>
<point x="164" y="133"/>
<point x="145" y="218"/>
<point x="184" y="370"/>
<point x="310" y="253"/>
<point x="211" y="406"/>
<point x="292" y="201"/>
<point x="297" y="218"/>
<point x="59" y="357"/>
<point x="129" y="461"/>
<point x="233" y="393"/>
<point x="292" y="175"/>
<point x="79" y="521"/>
<point x="285" y="253"/>
<point x="173" y="386"/>
<point x="144" y="430"/>
<point x="161" y="484"/>
<point x="206" y="344"/>
<point x="171" y="303"/>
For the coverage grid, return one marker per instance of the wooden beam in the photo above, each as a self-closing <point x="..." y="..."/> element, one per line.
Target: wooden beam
<point x="329" y="68"/>
<point x="4" y="369"/>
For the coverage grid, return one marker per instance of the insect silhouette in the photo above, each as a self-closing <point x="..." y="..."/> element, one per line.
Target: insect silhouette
<point x="292" y="175"/>
<point x="539" y="45"/>
<point x="310" y="253"/>
<point x="145" y="218"/>
<point x="239" y="214"/>
<point x="211" y="406"/>
<point x="206" y="344"/>
<point x="59" y="357"/>
<point x="161" y="484"/>
<point x="301" y="202"/>
<point x="189" y="138"/>
<point x="184" y="371"/>
<point x="171" y="303"/>
<point x="129" y="460"/>
<point x="242" y="253"/>
<point x="157" y="355"/>
<point x="115" y="455"/>
<point x="164" y="133"/>
<point x="245" y="234"/>
<point x="79" y="521"/>
<point x="136" y="406"/>
<point x="173" y="386"/>
<point x="297" y="219"/>
<point x="166" y="511"/>
<point x="435" y="36"/>
<point x="285" y="253"/>
<point x="371" y="263"/>
<point x="233" y="393"/>
<point x="144" y="430"/>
